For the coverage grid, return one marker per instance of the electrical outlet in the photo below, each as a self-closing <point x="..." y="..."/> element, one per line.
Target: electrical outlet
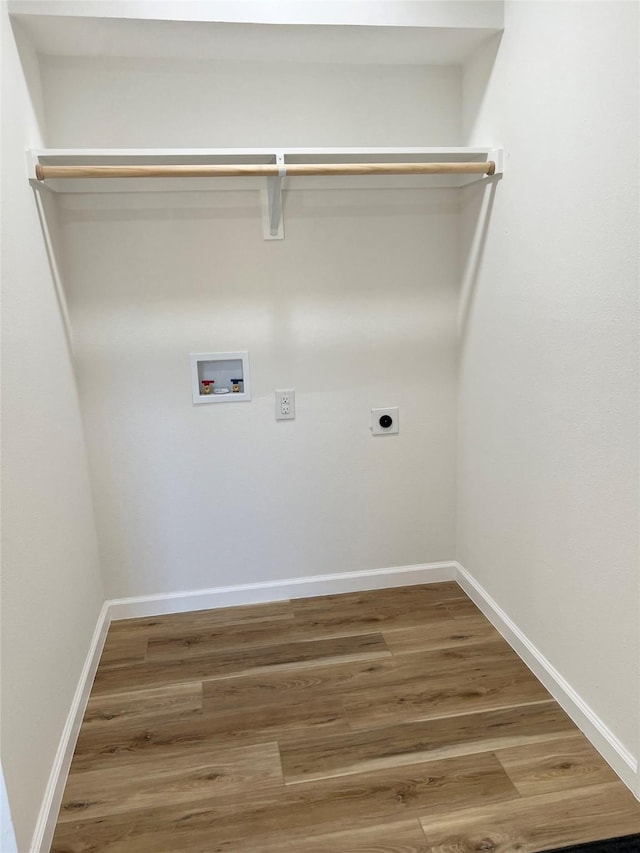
<point x="285" y="405"/>
<point x="385" y="421"/>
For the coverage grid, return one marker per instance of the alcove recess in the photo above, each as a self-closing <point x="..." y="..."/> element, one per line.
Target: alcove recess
<point x="220" y="377"/>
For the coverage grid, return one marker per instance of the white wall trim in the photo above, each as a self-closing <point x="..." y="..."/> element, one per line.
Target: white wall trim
<point x="45" y="826"/>
<point x="258" y="593"/>
<point x="602" y="738"/>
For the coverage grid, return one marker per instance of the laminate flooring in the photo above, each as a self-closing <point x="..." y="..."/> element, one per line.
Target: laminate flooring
<point x="391" y="721"/>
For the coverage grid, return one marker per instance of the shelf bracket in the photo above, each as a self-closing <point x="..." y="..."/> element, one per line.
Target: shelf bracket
<point x="272" y="221"/>
<point x="32" y="162"/>
<point x="497" y="155"/>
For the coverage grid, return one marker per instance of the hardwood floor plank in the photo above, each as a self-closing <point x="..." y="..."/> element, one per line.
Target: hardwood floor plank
<point x="235" y="662"/>
<point x="155" y="782"/>
<point x="398" y="607"/>
<point x="151" y="704"/>
<point x="126" y="743"/>
<point x="536" y="824"/>
<point x="442" y="634"/>
<point x="349" y="679"/>
<point x="409" y="743"/>
<point x="465" y="688"/>
<point x="461" y="608"/>
<point x="383" y="599"/>
<point x="395" y="837"/>
<point x="122" y="650"/>
<point x="297" y="811"/>
<point x="202" y="620"/>
<point x="542" y="768"/>
<point x="309" y="682"/>
<point x="306" y="717"/>
<point x="299" y="628"/>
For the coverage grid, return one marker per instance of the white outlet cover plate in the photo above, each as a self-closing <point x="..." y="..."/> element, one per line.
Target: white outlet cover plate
<point x="285" y="404"/>
<point x="376" y="414"/>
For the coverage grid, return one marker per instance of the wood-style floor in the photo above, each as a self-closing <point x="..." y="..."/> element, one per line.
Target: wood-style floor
<point x="394" y="721"/>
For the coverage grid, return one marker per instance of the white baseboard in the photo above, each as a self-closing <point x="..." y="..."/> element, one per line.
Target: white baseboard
<point x="46" y="824"/>
<point x="259" y="593"/>
<point x="602" y="738"/>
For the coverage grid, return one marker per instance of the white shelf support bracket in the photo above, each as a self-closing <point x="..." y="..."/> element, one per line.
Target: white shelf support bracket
<point x="497" y="155"/>
<point x="272" y="221"/>
<point x="32" y="162"/>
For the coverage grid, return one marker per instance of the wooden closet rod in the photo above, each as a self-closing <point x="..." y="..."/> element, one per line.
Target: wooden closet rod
<point x="266" y="170"/>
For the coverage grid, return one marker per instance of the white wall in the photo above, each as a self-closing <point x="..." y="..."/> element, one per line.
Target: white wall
<point x="548" y="441"/>
<point x="51" y="589"/>
<point x="354" y="309"/>
<point x="124" y="102"/>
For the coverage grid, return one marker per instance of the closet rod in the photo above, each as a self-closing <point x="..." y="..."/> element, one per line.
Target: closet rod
<point x="44" y="172"/>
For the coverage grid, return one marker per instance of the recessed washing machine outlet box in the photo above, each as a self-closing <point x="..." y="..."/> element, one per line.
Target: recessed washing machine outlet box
<point x="220" y="377"/>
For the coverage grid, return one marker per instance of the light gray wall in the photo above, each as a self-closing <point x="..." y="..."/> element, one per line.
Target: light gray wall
<point x="119" y="102"/>
<point x="51" y="588"/>
<point x="548" y="440"/>
<point x="355" y="309"/>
